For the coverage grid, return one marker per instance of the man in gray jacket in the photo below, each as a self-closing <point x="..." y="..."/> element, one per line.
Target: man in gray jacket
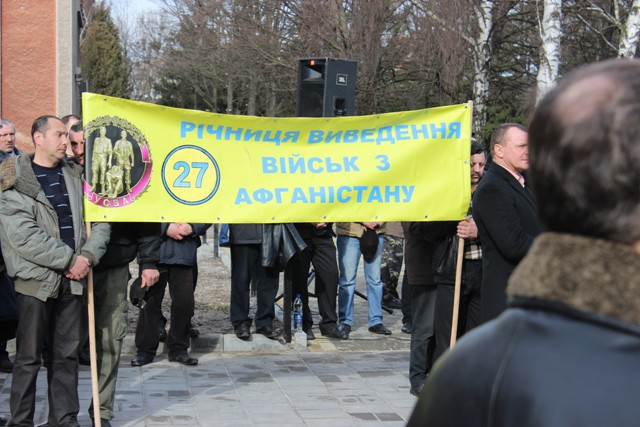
<point x="47" y="252"/>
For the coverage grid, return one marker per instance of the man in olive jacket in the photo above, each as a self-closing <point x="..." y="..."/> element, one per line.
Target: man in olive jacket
<point x="129" y="240"/>
<point x="47" y="252"/>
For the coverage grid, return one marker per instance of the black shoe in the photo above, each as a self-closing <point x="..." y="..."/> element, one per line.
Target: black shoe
<point x="141" y="360"/>
<point x="310" y="334"/>
<point x="415" y="391"/>
<point x="193" y="332"/>
<point x="84" y="358"/>
<point x="268" y="332"/>
<point x="6" y="365"/>
<point x="243" y="332"/>
<point x="103" y="422"/>
<point x="162" y="334"/>
<point x="392" y="303"/>
<point x="407" y="327"/>
<point x="335" y="332"/>
<point x="185" y="359"/>
<point x="379" y="329"/>
<point x="346" y="330"/>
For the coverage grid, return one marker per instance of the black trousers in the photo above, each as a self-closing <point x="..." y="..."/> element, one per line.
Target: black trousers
<point x="58" y="321"/>
<point x="180" y="280"/>
<point x="405" y="294"/>
<point x="321" y="253"/>
<point x="423" y="303"/>
<point x="246" y="266"/>
<point x="469" y="312"/>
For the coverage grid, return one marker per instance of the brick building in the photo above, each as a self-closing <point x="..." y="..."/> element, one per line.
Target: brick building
<point x="39" y="60"/>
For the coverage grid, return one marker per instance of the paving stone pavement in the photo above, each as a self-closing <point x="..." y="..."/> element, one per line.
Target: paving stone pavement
<point x="245" y="389"/>
<point x="362" y="381"/>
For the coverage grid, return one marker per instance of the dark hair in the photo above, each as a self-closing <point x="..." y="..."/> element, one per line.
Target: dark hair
<point x="584" y="153"/>
<point x="41" y="124"/>
<point x="66" y="119"/>
<point x="497" y="137"/>
<point x="77" y="127"/>
<point x="476" y="147"/>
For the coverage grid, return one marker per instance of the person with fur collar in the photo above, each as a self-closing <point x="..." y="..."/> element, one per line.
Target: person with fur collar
<point x="567" y="349"/>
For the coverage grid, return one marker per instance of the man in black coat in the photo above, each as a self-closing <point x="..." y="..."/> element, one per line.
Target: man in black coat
<point x="505" y="213"/>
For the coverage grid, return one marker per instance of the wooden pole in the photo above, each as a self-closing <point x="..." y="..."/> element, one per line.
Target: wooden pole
<point x="92" y="345"/>
<point x="456" y="293"/>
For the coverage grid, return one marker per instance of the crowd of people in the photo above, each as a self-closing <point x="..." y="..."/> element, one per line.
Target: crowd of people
<point x="519" y="294"/>
<point x="166" y="254"/>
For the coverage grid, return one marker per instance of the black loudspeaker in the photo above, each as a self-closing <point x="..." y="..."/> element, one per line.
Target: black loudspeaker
<point x="326" y="87"/>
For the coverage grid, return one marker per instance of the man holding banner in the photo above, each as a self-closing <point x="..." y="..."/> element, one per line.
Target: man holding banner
<point x="47" y="251"/>
<point x="128" y="241"/>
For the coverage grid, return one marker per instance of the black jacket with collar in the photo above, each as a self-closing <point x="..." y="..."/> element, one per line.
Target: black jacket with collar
<point x="505" y="215"/>
<point x="566" y="352"/>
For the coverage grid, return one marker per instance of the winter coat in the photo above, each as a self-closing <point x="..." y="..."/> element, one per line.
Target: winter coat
<point x="505" y="214"/>
<point x="279" y="242"/>
<point x="130" y="240"/>
<point x="181" y="252"/>
<point x="4" y="155"/>
<point x="565" y="353"/>
<point x="34" y="254"/>
<point x="418" y="254"/>
<point x="245" y="234"/>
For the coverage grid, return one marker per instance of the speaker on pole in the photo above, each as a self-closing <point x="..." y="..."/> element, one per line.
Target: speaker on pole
<point x="326" y="87"/>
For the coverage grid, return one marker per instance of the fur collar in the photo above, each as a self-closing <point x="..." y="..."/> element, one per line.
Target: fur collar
<point x="17" y="173"/>
<point x="589" y="274"/>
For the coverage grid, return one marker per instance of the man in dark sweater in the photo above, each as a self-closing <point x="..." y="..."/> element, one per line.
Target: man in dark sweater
<point x="48" y="253"/>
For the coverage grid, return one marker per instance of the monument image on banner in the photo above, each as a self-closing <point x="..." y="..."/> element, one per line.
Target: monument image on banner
<point x="120" y="162"/>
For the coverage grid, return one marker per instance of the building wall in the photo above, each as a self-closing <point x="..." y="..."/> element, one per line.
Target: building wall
<point x="28" y="63"/>
<point x="39" y="56"/>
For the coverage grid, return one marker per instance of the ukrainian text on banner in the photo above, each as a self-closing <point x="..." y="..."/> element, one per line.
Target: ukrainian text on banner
<point x="147" y="162"/>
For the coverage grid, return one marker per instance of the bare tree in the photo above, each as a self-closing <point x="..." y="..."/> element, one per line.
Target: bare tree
<point x="481" y="63"/>
<point x="630" y="36"/>
<point x="550" y="29"/>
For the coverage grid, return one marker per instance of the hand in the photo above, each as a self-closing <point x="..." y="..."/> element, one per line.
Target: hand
<point x="149" y="277"/>
<point x="319" y="225"/>
<point x="173" y="231"/>
<point x="370" y="225"/>
<point x="79" y="269"/>
<point x="467" y="228"/>
<point x="186" y="229"/>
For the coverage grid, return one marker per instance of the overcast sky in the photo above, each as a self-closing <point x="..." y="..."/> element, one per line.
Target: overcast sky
<point x="134" y="7"/>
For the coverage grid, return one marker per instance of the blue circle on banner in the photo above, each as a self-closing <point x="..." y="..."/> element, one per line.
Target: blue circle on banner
<point x="190" y="175"/>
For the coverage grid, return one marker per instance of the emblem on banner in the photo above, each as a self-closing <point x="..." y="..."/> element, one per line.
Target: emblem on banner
<point x="119" y="162"/>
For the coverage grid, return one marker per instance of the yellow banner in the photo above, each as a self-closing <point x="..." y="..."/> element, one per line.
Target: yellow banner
<point x="149" y="163"/>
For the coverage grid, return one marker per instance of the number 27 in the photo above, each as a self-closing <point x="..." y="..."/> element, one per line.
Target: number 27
<point x="186" y="169"/>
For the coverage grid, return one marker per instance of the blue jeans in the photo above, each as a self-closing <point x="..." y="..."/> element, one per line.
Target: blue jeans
<point x="348" y="258"/>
